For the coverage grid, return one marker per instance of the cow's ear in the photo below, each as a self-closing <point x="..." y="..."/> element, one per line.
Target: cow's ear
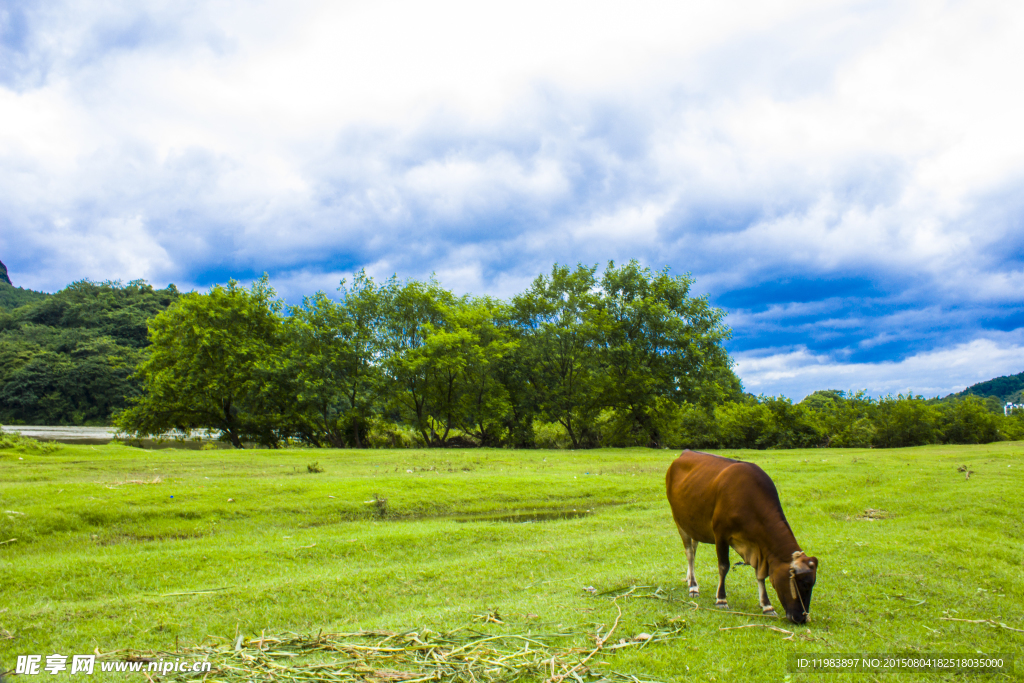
<point x="802" y="564"/>
<point x="808" y="565"/>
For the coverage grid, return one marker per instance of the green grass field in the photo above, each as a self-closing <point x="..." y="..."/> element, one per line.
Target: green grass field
<point x="118" y="548"/>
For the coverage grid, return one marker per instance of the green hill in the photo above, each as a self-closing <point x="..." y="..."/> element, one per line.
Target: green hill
<point x="1006" y="388"/>
<point x="11" y="296"/>
<point x="67" y="358"/>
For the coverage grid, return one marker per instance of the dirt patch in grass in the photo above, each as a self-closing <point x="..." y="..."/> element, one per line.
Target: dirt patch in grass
<point x="119" y="538"/>
<point x="527" y="516"/>
<point x="871" y="515"/>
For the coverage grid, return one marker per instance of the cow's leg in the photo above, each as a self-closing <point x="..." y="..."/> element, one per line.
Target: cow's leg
<point x="691" y="552"/>
<point x="762" y="598"/>
<point x="691" y="574"/>
<point x="722" y="547"/>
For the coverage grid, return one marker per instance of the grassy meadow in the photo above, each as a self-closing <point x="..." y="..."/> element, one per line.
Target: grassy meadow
<point x="119" y="548"/>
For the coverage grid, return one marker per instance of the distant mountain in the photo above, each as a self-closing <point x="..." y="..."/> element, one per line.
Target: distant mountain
<point x="67" y="358"/>
<point x="11" y="296"/>
<point x="1007" y="388"/>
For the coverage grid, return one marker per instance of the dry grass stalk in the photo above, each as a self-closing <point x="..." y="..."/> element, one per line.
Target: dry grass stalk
<point x="725" y="611"/>
<point x="991" y="622"/>
<point x="768" y="626"/>
<point x="459" y="656"/>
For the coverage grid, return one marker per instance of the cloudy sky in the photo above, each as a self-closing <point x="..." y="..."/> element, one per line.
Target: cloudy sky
<point x="844" y="178"/>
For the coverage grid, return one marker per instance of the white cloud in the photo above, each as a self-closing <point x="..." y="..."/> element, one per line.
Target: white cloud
<point x="469" y="111"/>
<point x="798" y="372"/>
<point x="745" y="142"/>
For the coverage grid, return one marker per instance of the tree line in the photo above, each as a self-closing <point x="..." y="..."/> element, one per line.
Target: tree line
<point x="837" y="419"/>
<point x="581" y="359"/>
<point x="599" y="359"/>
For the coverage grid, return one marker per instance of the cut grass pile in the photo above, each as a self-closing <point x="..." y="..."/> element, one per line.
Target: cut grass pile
<point x="466" y="654"/>
<point x="117" y="550"/>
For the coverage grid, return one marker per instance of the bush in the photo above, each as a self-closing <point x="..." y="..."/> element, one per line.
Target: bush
<point x="23" y="444"/>
<point x="743" y="425"/>
<point x="384" y="434"/>
<point x="1012" y="426"/>
<point x="902" y="421"/>
<point x="550" y="435"/>
<point x="693" y="427"/>
<point x="842" y="419"/>
<point x="969" y="421"/>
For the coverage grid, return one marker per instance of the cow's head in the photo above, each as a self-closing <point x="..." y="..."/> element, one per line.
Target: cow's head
<point x="794" y="583"/>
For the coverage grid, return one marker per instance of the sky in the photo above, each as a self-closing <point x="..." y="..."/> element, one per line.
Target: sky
<point x="843" y="178"/>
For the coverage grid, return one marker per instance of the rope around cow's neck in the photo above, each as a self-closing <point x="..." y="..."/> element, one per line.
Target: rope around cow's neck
<point x="792" y="586"/>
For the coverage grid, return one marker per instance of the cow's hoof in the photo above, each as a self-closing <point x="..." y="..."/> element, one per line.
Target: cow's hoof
<point x="694" y="592"/>
<point x="770" y="612"/>
<point x="722" y="604"/>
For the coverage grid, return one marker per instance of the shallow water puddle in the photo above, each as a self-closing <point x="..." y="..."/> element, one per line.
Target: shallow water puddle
<point x="528" y="516"/>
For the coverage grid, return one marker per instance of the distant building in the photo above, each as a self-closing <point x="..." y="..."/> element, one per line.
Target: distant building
<point x="1012" y="406"/>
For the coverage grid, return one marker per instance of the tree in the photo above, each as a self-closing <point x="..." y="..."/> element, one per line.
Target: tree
<point x="333" y="351"/>
<point x="512" y="371"/>
<point x="215" y="363"/>
<point x="903" y="421"/>
<point x="444" y="366"/>
<point x="969" y="421"/>
<point x="483" y="400"/>
<point x="562" y="323"/>
<point x="13" y="297"/>
<point x="792" y="426"/>
<point x="842" y="419"/>
<point x="658" y="343"/>
<point x="416" y="374"/>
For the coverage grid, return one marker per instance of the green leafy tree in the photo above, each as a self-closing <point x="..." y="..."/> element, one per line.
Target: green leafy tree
<point x="744" y="424"/>
<point x="563" y="324"/>
<point x="695" y="427"/>
<point x="843" y="420"/>
<point x="903" y="421"/>
<point x="333" y="351"/>
<point x="969" y="421"/>
<point x="449" y="371"/>
<point x="512" y="371"/>
<point x="416" y="375"/>
<point x="483" y="401"/>
<point x="13" y="297"/>
<point x="1012" y="425"/>
<point x="215" y="363"/>
<point x="791" y="426"/>
<point x="658" y="343"/>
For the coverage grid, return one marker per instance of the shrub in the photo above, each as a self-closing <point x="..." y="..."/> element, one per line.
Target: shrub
<point x="969" y="421"/>
<point x="904" y="421"/>
<point x="23" y="444"/>
<point x="384" y="434"/>
<point x="550" y="435"/>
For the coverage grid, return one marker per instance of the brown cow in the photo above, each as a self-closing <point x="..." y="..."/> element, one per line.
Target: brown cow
<point x="732" y="503"/>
